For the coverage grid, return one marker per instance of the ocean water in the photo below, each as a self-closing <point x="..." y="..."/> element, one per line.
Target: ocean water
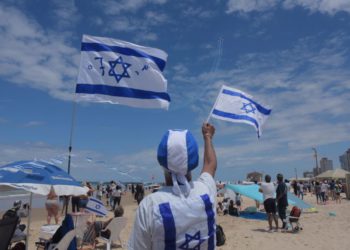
<point x="9" y="196"/>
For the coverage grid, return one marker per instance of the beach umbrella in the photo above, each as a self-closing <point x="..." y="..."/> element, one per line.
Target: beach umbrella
<point x="38" y="177"/>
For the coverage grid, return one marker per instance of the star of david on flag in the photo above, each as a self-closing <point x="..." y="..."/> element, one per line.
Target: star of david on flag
<point x="192" y="241"/>
<point x="120" y="72"/>
<point x="234" y="105"/>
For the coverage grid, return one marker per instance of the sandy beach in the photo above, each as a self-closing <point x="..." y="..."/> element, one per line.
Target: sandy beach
<point x="320" y="230"/>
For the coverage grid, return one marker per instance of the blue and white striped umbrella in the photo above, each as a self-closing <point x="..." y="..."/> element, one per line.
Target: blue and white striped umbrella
<point x="38" y="177"/>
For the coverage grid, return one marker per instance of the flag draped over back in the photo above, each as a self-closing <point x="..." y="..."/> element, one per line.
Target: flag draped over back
<point x="236" y="106"/>
<point x="120" y="72"/>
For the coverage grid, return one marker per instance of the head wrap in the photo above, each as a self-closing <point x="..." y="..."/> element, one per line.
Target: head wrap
<point x="178" y="154"/>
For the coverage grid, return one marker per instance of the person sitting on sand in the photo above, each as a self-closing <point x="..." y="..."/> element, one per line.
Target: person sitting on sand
<point x="97" y="228"/>
<point x="232" y="210"/>
<point x="268" y="190"/>
<point x="52" y="206"/>
<point x="220" y="209"/>
<point x="238" y="201"/>
<point x="181" y="215"/>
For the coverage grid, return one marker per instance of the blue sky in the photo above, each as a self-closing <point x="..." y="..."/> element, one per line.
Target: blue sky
<point x="292" y="55"/>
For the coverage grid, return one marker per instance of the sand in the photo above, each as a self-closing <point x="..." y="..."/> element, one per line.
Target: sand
<point x="320" y="230"/>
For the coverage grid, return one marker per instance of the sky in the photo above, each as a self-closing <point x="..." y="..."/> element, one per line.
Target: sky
<point x="290" y="55"/>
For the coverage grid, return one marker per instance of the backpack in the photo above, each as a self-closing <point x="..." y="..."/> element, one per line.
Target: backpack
<point x="220" y="236"/>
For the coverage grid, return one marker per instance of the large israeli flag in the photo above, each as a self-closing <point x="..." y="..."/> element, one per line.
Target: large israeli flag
<point x="120" y="72"/>
<point x="236" y="106"/>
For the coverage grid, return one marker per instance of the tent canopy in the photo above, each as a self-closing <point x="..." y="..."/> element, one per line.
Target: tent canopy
<point x="333" y="174"/>
<point x="252" y="192"/>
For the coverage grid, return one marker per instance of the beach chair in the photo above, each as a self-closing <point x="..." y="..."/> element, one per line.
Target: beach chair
<point x="293" y="219"/>
<point x="7" y="229"/>
<point x="115" y="227"/>
<point x="65" y="241"/>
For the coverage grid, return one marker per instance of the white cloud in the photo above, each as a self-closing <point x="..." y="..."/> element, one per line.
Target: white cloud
<point x="30" y="55"/>
<point x="250" y="5"/>
<point x="198" y="12"/>
<point x="66" y="13"/>
<point x="324" y="6"/>
<point x="34" y="124"/>
<point x="112" y="7"/>
<point x="307" y="86"/>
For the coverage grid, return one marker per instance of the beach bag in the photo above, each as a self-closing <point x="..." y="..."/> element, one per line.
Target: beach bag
<point x="220" y="236"/>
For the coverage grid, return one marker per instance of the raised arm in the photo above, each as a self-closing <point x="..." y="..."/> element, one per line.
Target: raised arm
<point x="210" y="164"/>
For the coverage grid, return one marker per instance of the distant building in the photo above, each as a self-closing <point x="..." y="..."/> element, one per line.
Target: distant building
<point x="254" y="176"/>
<point x="345" y="160"/>
<point x="325" y="164"/>
<point x="308" y="174"/>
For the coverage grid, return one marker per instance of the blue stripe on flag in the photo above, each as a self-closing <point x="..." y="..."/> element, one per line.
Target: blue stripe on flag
<point x="124" y="51"/>
<point x="237" y="117"/>
<point x="169" y="226"/>
<point x="95" y="211"/>
<point x="211" y="220"/>
<point x="260" y="108"/>
<point x="120" y="91"/>
<point x="97" y="201"/>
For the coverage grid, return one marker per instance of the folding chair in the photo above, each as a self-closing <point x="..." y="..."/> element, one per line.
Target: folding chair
<point x="65" y="241"/>
<point x="115" y="227"/>
<point x="7" y="229"/>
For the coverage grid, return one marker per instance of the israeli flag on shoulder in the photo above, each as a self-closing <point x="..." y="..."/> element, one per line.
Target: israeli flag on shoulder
<point x="96" y="206"/>
<point x="234" y="105"/>
<point x="120" y="72"/>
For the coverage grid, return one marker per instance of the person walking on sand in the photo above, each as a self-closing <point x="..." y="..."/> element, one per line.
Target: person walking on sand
<point x="180" y="215"/>
<point x="282" y="200"/>
<point x="269" y="192"/>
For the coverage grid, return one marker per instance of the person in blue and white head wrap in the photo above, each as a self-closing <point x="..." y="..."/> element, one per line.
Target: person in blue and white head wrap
<point x="180" y="215"/>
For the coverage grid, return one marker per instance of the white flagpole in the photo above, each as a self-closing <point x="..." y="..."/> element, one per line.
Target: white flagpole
<point x="216" y="101"/>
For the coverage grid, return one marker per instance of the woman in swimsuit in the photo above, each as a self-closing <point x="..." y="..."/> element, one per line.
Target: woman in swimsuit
<point x="52" y="206"/>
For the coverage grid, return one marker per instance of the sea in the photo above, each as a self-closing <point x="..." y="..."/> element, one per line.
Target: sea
<point x="9" y="195"/>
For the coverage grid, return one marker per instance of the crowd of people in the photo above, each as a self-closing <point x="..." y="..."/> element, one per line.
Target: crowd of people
<point x="324" y="191"/>
<point x="184" y="209"/>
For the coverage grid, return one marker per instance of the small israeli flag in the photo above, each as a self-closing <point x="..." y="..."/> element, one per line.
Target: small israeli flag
<point x="96" y="206"/>
<point x="120" y="72"/>
<point x="234" y="105"/>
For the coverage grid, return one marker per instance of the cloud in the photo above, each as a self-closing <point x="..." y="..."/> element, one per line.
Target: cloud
<point x="307" y="86"/>
<point x="66" y="13"/>
<point x="330" y="7"/>
<point x="32" y="56"/>
<point x="114" y="8"/>
<point x="198" y="12"/>
<point x="34" y="124"/>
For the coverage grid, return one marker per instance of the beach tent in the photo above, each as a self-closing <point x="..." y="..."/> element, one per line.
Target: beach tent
<point x="333" y="174"/>
<point x="252" y="192"/>
<point x="38" y="177"/>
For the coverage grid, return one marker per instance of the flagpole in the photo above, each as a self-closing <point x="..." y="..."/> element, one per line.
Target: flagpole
<point x="71" y="134"/>
<point x="70" y="141"/>
<point x="216" y="101"/>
